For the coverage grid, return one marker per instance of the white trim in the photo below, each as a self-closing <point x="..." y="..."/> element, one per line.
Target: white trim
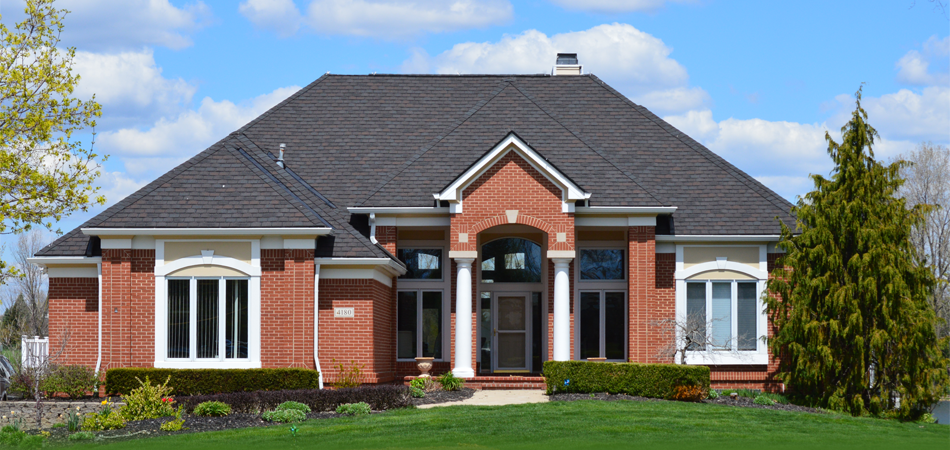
<point x="272" y="242"/>
<point x="299" y="244"/>
<point x="217" y="260"/>
<point x="396" y="210"/>
<point x="387" y="264"/>
<point x="434" y="221"/>
<point x="43" y="261"/>
<point x="316" y="324"/>
<point x="143" y="242"/>
<point x="332" y="273"/>
<point x="561" y="254"/>
<point x="463" y="254"/>
<point x="719" y="238"/>
<point x="207" y="231"/>
<point x="209" y="364"/>
<point x="585" y="210"/>
<point x="453" y="193"/>
<point x="721" y="265"/>
<point x="72" y="272"/>
<point x="616" y="221"/>
<point x="641" y="221"/>
<point x="665" y="247"/>
<point x="99" y="340"/>
<point x="119" y="243"/>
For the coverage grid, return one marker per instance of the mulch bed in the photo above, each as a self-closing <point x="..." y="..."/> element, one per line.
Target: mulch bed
<point x="441" y="396"/>
<point x="744" y="402"/>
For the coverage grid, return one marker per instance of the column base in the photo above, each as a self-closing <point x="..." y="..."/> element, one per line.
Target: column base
<point x="463" y="373"/>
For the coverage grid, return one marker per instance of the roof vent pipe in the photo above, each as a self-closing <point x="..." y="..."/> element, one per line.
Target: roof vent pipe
<point x="280" y="158"/>
<point x="567" y="64"/>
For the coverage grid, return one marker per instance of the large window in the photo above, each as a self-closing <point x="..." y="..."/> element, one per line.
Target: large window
<point x="207" y="318"/>
<point x="511" y="260"/>
<point x="721" y="315"/>
<point x="602" y="264"/>
<point x="421" y="263"/>
<point x="603" y="321"/>
<point x="419" y="324"/>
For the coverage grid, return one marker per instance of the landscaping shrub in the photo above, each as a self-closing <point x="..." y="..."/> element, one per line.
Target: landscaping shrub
<point x="294" y="405"/>
<point x="73" y="380"/>
<point x="148" y="401"/>
<point x="427" y="384"/>
<point x="350" y="376"/>
<point x="212" y="409"/>
<point x="644" y="380"/>
<point x="353" y="409"/>
<point x="82" y="436"/>
<point x="450" y="382"/>
<point x="13" y="437"/>
<point x="214" y="381"/>
<point x="417" y="393"/>
<point x="713" y="394"/>
<point x="285" y="415"/>
<point x="692" y="393"/>
<point x="174" y="425"/>
<point x="378" y="397"/>
<point x="763" y="400"/>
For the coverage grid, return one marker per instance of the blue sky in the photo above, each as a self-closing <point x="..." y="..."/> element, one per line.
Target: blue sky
<point x="756" y="82"/>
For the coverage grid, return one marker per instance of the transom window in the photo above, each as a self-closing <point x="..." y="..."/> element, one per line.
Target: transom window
<point x="721" y="315"/>
<point x="207" y="318"/>
<point x="419" y="324"/>
<point x="421" y="263"/>
<point x="511" y="260"/>
<point x="602" y="264"/>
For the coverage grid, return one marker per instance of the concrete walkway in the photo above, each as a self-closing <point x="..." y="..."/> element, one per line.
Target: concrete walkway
<point x="493" y="397"/>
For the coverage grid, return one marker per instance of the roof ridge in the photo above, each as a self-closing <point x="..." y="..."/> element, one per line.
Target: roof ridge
<point x="283" y="102"/>
<point x="709" y="155"/>
<point x="588" y="144"/>
<point x="437" y="139"/>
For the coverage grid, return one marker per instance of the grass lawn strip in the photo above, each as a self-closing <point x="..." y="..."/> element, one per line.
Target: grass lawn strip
<point x="579" y="424"/>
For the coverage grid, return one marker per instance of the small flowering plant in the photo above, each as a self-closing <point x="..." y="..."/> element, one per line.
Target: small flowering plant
<point x="149" y="401"/>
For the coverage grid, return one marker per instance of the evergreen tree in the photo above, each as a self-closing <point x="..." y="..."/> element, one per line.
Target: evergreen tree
<point x="854" y="328"/>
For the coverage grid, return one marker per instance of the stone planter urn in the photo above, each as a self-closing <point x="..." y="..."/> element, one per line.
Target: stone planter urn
<point x="597" y="359"/>
<point x="425" y="365"/>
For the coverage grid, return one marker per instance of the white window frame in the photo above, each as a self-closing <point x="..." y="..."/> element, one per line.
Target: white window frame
<point x="419" y="293"/>
<point x="444" y="285"/>
<point x="711" y="356"/>
<point x="252" y="272"/>
<point x="193" y="318"/>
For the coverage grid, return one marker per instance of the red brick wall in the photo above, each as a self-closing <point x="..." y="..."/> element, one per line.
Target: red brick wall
<point x="644" y="307"/>
<point x="665" y="292"/>
<point x="366" y="339"/>
<point x="512" y="184"/>
<point x="74" y="312"/>
<point x="287" y="308"/>
<point x="386" y="236"/>
<point x="128" y="308"/>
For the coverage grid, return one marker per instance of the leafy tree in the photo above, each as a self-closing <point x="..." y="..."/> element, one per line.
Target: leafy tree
<point x="45" y="173"/>
<point x="854" y="326"/>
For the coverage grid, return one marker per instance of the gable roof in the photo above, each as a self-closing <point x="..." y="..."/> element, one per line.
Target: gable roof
<point x="395" y="140"/>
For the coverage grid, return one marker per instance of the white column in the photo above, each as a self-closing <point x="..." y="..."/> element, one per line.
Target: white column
<point x="463" y="319"/>
<point x="562" y="309"/>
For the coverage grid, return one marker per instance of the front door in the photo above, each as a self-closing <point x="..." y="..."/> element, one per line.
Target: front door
<point x="512" y="332"/>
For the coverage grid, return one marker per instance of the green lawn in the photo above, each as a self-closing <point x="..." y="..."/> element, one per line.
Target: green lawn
<point x="586" y="424"/>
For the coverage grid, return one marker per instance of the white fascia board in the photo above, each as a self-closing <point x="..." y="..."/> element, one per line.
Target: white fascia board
<point x="720" y="238"/>
<point x="43" y="261"/>
<point x="207" y="231"/>
<point x="395" y="210"/>
<point x="386" y="263"/>
<point x="453" y="191"/>
<point x="624" y="210"/>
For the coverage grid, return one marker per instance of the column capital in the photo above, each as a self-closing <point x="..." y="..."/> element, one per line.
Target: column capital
<point x="562" y="262"/>
<point x="561" y="254"/>
<point x="459" y="255"/>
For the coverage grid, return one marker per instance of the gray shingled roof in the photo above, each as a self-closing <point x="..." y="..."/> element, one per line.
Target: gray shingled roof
<point x="394" y="140"/>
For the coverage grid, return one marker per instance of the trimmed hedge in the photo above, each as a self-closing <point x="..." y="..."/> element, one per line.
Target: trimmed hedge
<point x="213" y="381"/>
<point x="643" y="380"/>
<point x="379" y="398"/>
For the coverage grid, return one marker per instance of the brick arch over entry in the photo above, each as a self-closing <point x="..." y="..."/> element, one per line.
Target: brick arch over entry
<point x="508" y="186"/>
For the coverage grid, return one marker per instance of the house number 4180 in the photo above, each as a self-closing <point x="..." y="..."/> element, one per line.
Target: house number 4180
<point x="346" y="313"/>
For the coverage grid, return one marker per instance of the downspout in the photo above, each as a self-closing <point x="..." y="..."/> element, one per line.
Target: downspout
<point x="372" y="229"/>
<point x="99" y="350"/>
<point x="316" y="318"/>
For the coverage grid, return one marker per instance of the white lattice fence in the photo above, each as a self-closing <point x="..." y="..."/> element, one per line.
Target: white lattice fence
<point x="34" y="351"/>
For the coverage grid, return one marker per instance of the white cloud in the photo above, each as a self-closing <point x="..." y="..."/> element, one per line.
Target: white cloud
<point x="128" y="24"/>
<point x="130" y="87"/>
<point x="117" y="185"/>
<point x="914" y="68"/>
<point x="190" y="131"/>
<point x="280" y="16"/>
<point x="904" y="115"/>
<point x="614" y="6"/>
<point x="386" y="19"/>
<point x="628" y="59"/>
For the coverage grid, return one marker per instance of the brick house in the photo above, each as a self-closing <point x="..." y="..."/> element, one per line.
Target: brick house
<point x="490" y="222"/>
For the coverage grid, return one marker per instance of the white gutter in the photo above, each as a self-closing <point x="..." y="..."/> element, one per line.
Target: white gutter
<point x="372" y="229"/>
<point x="316" y="320"/>
<point x="322" y="231"/>
<point x="720" y="238"/>
<point x="43" y="261"/>
<point x="389" y="264"/>
<point x="399" y="210"/>
<point x="99" y="349"/>
<point x="624" y="210"/>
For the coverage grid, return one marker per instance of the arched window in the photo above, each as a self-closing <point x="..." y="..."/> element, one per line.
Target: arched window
<point x="511" y="260"/>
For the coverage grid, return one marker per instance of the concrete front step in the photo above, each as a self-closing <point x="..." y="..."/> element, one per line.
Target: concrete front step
<point x="500" y="382"/>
